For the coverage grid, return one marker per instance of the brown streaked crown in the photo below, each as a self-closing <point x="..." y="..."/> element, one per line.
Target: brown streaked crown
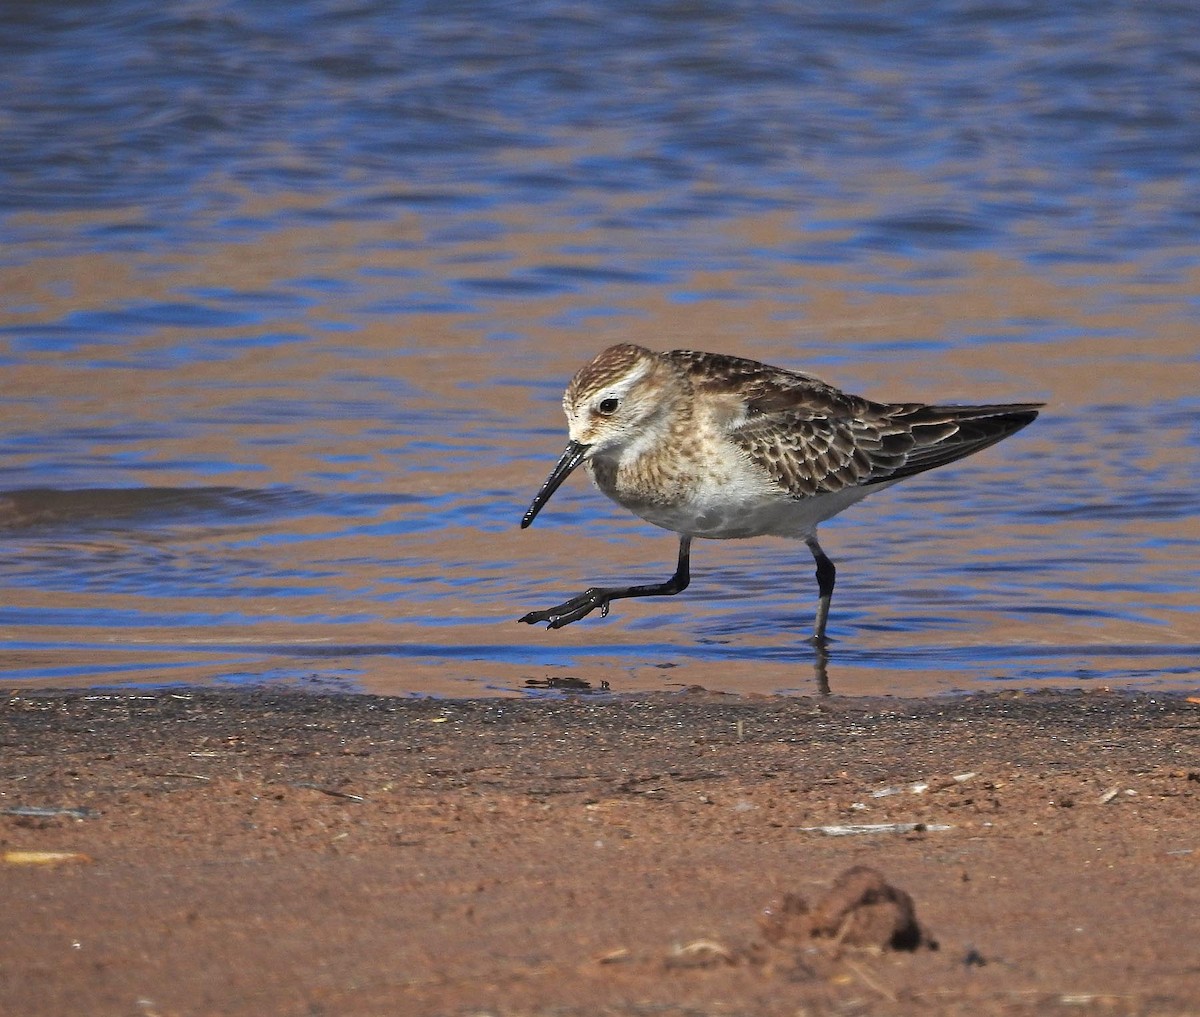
<point x="611" y="365"/>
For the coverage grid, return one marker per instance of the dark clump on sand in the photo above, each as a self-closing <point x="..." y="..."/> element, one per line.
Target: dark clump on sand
<point x="249" y="852"/>
<point x="861" y="910"/>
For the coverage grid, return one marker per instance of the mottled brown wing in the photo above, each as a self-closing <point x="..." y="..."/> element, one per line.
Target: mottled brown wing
<point x="812" y="453"/>
<point x="811" y="437"/>
<point x="809" y="452"/>
<point x="815" y="439"/>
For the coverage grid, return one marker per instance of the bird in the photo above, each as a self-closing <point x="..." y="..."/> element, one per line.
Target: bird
<point x="722" y="447"/>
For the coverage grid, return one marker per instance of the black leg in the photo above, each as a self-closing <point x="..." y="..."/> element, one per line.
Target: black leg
<point x="826" y="574"/>
<point x="600" y="597"/>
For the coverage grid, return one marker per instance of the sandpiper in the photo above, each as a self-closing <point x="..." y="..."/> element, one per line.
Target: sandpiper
<point x="709" y="445"/>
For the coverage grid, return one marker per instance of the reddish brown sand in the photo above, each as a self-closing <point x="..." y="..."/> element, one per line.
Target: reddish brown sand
<point x="252" y="853"/>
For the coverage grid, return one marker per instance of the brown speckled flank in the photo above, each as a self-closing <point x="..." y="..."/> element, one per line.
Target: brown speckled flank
<point x="715" y="446"/>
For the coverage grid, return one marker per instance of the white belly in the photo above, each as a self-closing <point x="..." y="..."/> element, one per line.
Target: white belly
<point x="724" y="514"/>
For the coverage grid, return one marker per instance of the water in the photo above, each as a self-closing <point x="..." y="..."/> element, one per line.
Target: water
<point x="289" y="292"/>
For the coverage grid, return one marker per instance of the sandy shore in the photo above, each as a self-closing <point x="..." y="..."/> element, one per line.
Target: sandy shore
<point x="251" y="853"/>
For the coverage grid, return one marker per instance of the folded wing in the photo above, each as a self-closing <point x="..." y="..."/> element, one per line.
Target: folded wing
<point x="815" y="439"/>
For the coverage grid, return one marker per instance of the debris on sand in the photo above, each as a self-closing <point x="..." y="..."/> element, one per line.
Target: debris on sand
<point x="701" y="953"/>
<point x="855" y="829"/>
<point x="861" y="910"/>
<point x="43" y="857"/>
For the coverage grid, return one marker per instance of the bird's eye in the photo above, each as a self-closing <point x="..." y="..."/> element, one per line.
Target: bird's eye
<point x="609" y="405"/>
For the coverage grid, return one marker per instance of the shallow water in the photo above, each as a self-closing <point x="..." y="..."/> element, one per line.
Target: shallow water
<point x="289" y="293"/>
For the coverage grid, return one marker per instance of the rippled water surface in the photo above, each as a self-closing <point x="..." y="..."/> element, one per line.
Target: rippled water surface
<point x="289" y="293"/>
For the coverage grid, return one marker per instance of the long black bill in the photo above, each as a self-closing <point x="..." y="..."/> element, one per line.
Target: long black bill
<point x="572" y="457"/>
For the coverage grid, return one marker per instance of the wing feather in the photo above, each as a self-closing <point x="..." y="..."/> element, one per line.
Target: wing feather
<point x="814" y="439"/>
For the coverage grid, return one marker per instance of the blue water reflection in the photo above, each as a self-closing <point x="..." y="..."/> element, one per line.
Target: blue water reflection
<point x="290" y="291"/>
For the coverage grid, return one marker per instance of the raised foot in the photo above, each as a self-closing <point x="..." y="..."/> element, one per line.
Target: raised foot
<point x="572" y="610"/>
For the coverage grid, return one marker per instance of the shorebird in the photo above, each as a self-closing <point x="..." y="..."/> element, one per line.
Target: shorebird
<point x="715" y="446"/>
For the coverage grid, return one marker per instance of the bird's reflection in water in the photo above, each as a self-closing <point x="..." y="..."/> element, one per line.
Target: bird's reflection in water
<point x="566" y="684"/>
<point x="821" y="667"/>
<point x="579" y="686"/>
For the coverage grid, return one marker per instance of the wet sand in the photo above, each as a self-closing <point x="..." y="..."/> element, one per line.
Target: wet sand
<point x="251" y="852"/>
